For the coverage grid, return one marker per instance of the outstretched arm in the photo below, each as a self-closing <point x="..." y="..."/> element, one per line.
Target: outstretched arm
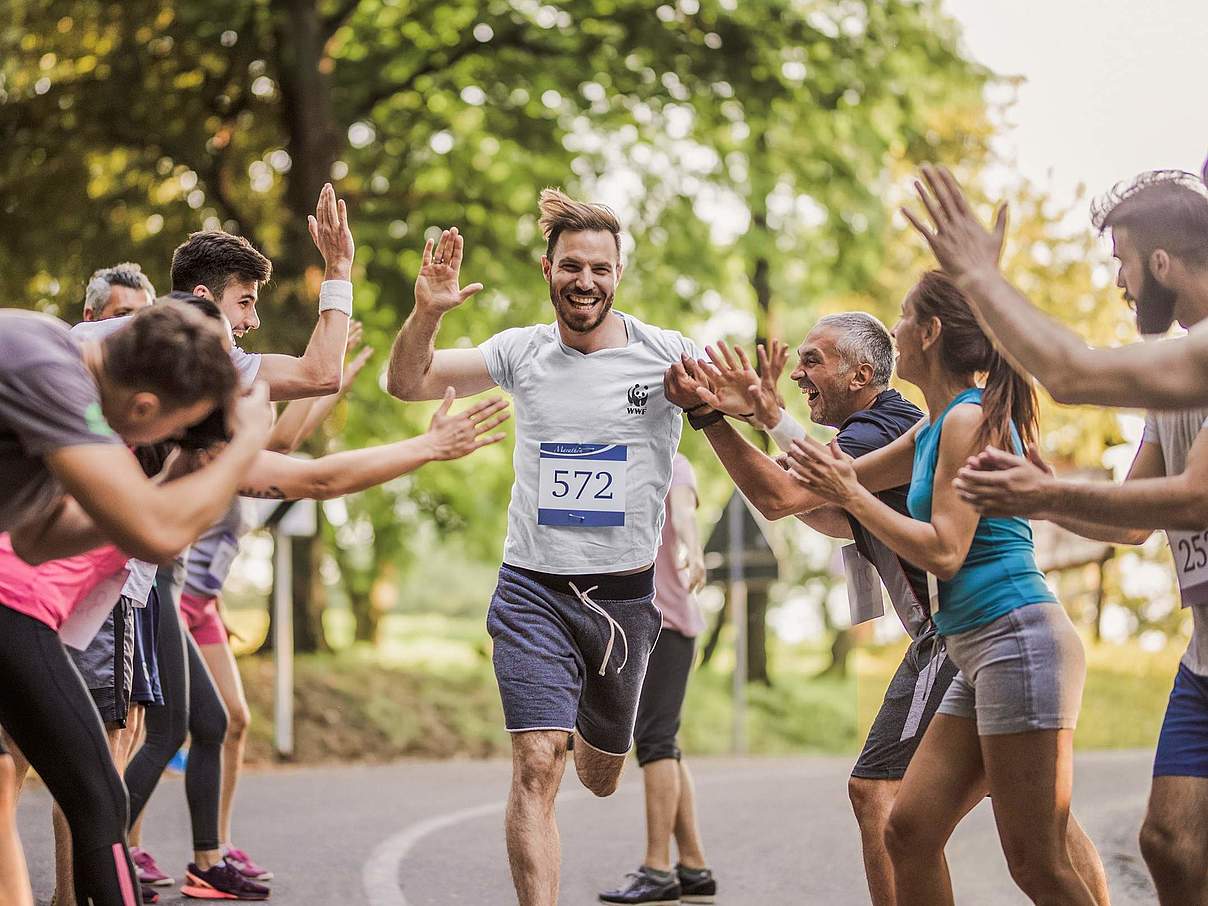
<point x="417" y="370"/>
<point x="449" y="436"/>
<point x="939" y="546"/>
<point x="115" y="503"/>
<point x="317" y="371"/>
<point x="1170" y="375"/>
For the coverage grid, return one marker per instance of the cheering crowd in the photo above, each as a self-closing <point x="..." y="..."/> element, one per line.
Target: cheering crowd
<point x="130" y="442"/>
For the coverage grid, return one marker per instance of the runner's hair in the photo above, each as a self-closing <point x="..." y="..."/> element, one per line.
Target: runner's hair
<point x="862" y="339"/>
<point x="212" y="258"/>
<point x="965" y="349"/>
<point x="1161" y="209"/>
<point x="562" y="214"/>
<point x="102" y="281"/>
<point x="173" y="351"/>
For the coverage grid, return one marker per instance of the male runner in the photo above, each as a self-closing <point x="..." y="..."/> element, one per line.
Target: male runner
<point x="1167" y="486"/>
<point x="1160" y="233"/>
<point x="844" y="368"/>
<point x="572" y="617"/>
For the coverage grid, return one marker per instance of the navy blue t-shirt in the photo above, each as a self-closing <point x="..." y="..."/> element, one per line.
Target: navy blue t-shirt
<point x="889" y="417"/>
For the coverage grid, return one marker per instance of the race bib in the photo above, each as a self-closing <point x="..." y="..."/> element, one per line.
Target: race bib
<point x="220" y="563"/>
<point x="582" y="485"/>
<point x="1190" y="551"/>
<point x="864" y="599"/>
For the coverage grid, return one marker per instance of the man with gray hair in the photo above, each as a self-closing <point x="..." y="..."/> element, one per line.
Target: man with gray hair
<point x="844" y="368"/>
<point x="113" y="292"/>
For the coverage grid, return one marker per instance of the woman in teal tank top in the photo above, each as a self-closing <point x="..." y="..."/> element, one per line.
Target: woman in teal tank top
<point x="1006" y="724"/>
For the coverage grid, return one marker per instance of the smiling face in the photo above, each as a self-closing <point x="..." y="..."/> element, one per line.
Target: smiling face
<point x="238" y="304"/>
<point x="583" y="277"/>
<point x="825" y="378"/>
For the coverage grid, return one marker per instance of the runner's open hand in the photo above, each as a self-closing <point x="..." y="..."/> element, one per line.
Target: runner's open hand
<point x="680" y="385"/>
<point x="452" y="436"/>
<point x="766" y="394"/>
<point x="438" y="288"/>
<point x="826" y="470"/>
<point x="962" y="246"/>
<point x="997" y="483"/>
<point x="329" y="229"/>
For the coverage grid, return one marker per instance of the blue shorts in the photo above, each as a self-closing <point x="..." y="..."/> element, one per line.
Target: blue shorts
<point x="568" y="660"/>
<point x="1183" y="742"/>
<point x="146" y="688"/>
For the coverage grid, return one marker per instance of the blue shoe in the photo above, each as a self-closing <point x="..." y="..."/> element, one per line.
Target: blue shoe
<point x="179" y="762"/>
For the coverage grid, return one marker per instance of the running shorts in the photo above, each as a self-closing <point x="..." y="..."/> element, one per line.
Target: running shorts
<point x="1183" y="742"/>
<point x="662" y="698"/>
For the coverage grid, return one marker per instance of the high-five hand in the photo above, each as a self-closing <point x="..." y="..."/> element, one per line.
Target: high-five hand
<point x="998" y="483"/>
<point x="438" y="288"/>
<point x="731" y="378"/>
<point x="826" y="470"/>
<point x="962" y="246"/>
<point x="453" y="436"/>
<point x="329" y="229"/>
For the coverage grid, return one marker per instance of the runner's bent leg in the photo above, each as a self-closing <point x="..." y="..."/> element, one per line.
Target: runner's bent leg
<point x="63" y="874"/>
<point x="1174" y="839"/>
<point x="662" y="783"/>
<point x="534" y="850"/>
<point x="1087" y="863"/>
<point x="1031" y="778"/>
<point x="203" y="772"/>
<point x="872" y="801"/>
<point x="14" y="876"/>
<point x="221" y="662"/>
<point x="944" y="782"/>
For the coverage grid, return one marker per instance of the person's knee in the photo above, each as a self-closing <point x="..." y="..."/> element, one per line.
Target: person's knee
<point x="870" y="801"/>
<point x="599" y="772"/>
<point x="208" y="726"/>
<point x="238" y="721"/>
<point x="537" y="769"/>
<point x="1036" y="866"/>
<point x="910" y="832"/>
<point x="1166" y="849"/>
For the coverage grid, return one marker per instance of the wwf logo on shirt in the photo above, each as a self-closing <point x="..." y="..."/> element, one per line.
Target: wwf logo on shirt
<point x="638" y="395"/>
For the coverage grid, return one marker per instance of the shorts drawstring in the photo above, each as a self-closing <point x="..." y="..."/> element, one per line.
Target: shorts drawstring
<point x="613" y="628"/>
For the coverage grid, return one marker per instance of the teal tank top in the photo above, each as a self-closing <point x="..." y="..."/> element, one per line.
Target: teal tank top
<point x="999" y="573"/>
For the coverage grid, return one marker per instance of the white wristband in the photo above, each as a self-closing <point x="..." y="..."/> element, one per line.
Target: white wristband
<point x="336" y="294"/>
<point x="786" y="431"/>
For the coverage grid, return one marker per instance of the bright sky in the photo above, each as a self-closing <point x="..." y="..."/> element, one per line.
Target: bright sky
<point x="1113" y="87"/>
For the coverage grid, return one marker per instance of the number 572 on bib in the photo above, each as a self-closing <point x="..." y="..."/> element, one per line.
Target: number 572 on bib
<point x="582" y="485"/>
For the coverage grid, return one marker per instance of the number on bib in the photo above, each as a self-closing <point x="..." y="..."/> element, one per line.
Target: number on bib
<point x="1190" y="551"/>
<point x="582" y="485"/>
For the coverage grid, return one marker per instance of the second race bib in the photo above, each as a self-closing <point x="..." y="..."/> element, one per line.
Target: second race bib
<point x="582" y="485"/>
<point x="1190" y="551"/>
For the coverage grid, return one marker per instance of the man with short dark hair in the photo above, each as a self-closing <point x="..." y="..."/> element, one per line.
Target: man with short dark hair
<point x="572" y="618"/>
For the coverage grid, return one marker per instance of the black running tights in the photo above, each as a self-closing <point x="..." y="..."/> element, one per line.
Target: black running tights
<point x="47" y="710"/>
<point x="191" y="707"/>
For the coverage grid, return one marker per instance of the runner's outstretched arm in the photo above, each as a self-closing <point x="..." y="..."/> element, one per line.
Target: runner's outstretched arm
<point x="417" y="370"/>
<point x="115" y="503"/>
<point x="317" y="371"/>
<point x="1174" y="375"/>
<point x="1171" y="502"/>
<point x="449" y="436"/>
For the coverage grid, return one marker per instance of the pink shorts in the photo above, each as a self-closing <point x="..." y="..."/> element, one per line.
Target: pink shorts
<point x="203" y="619"/>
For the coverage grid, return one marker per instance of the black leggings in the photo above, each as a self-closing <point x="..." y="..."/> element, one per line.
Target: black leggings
<point x="191" y="707"/>
<point x="47" y="710"/>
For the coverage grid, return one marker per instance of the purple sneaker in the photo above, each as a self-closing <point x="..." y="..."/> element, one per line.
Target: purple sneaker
<point x="148" y="872"/>
<point x="244" y="863"/>
<point x="221" y="881"/>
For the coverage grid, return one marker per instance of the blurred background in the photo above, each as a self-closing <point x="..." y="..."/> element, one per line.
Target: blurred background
<point x="757" y="151"/>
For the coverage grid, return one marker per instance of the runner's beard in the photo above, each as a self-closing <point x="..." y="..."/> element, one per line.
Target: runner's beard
<point x="577" y="319"/>
<point x="1155" y="306"/>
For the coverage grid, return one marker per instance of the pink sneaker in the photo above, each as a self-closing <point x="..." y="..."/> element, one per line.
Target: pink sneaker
<point x="148" y="872"/>
<point x="243" y="862"/>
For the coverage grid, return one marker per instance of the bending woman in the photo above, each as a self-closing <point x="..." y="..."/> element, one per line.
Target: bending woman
<point x="1006" y="724"/>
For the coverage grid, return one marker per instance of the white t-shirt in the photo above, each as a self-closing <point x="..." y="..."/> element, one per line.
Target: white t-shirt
<point x="609" y="436"/>
<point x="1175" y="432"/>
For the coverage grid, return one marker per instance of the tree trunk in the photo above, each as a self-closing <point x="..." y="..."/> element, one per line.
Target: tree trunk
<point x="757" y="635"/>
<point x="715" y="635"/>
<point x="309" y="596"/>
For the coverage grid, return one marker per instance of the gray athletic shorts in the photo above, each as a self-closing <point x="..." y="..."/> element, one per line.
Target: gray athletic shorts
<point x="107" y="664"/>
<point x="567" y="661"/>
<point x="1024" y="671"/>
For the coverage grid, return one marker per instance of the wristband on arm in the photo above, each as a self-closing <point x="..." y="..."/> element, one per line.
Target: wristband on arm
<point x="336" y="294"/>
<point x="705" y="419"/>
<point x="786" y="431"/>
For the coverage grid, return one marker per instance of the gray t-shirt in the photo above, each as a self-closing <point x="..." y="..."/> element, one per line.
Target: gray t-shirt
<point x="247" y="364"/>
<point x="1176" y="432"/>
<point x="595" y="439"/>
<point x="48" y="400"/>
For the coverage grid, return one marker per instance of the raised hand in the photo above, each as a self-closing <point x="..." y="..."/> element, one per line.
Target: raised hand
<point x="438" y="288"/>
<point x="329" y="229"/>
<point x="961" y="245"/>
<point x="680" y="386"/>
<point x="766" y="395"/>
<point x="730" y="381"/>
<point x="452" y="436"/>
<point x="826" y="470"/>
<point x="997" y="483"/>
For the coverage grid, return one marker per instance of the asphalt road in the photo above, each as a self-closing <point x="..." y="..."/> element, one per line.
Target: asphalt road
<point x="421" y="834"/>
